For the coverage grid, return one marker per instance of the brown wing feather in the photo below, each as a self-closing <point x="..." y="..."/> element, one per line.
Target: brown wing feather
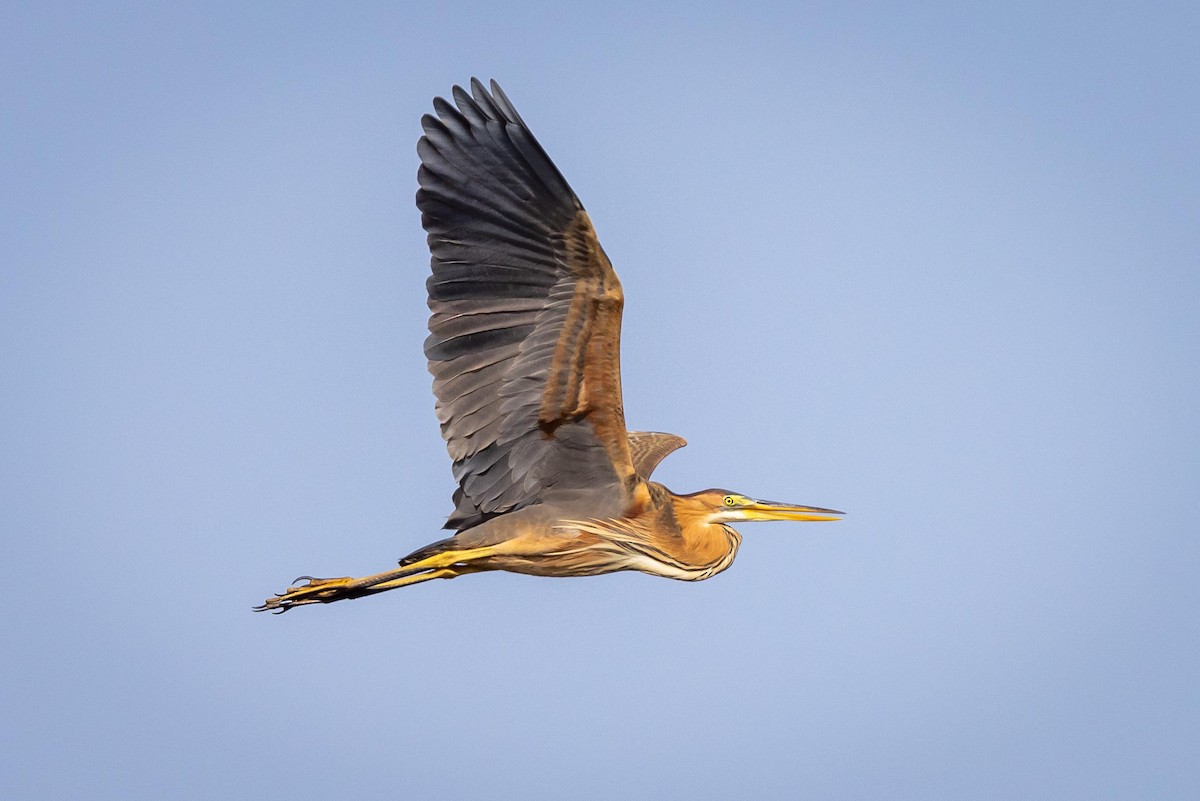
<point x="648" y="448"/>
<point x="524" y="343"/>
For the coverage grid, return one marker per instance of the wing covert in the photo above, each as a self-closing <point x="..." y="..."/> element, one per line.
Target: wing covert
<point x="649" y="448"/>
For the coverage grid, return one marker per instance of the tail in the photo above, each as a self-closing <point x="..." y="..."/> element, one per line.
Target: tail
<point x="432" y="549"/>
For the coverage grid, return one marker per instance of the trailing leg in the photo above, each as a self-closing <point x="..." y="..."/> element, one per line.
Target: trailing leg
<point x="444" y="563"/>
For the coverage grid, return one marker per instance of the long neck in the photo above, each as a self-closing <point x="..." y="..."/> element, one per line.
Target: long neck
<point x="704" y="542"/>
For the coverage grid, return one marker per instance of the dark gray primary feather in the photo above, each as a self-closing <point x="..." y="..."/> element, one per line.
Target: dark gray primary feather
<point x="507" y="275"/>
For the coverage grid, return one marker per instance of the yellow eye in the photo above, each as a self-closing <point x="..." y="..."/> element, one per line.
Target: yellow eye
<point x="729" y="500"/>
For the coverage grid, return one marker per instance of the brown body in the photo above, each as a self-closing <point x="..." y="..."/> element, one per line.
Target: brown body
<point x="524" y="348"/>
<point x="657" y="536"/>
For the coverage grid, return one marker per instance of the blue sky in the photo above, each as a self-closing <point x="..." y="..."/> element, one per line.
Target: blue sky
<point x="937" y="266"/>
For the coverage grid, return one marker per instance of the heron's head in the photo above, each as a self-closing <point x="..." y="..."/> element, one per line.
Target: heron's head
<point x="726" y="506"/>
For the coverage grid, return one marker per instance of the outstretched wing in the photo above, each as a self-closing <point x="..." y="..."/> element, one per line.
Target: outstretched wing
<point x="524" y="342"/>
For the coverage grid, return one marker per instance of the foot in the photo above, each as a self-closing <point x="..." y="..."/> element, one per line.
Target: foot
<point x="312" y="591"/>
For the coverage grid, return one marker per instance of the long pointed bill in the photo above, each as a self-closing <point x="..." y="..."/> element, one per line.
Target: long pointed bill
<point x="771" y="510"/>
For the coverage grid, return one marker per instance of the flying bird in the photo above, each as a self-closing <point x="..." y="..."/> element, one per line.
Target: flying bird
<point x="524" y="348"/>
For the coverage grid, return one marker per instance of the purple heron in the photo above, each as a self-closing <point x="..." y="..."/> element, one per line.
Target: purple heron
<point x="524" y="347"/>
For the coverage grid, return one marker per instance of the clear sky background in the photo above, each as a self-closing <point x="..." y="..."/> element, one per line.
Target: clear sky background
<point x="935" y="265"/>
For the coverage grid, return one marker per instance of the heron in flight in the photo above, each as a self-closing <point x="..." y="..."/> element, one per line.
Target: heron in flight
<point x="524" y="347"/>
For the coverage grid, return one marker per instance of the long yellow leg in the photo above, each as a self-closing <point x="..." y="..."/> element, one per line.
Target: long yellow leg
<point x="447" y="564"/>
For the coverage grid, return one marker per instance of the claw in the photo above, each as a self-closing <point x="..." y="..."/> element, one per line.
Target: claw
<point x="273" y="606"/>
